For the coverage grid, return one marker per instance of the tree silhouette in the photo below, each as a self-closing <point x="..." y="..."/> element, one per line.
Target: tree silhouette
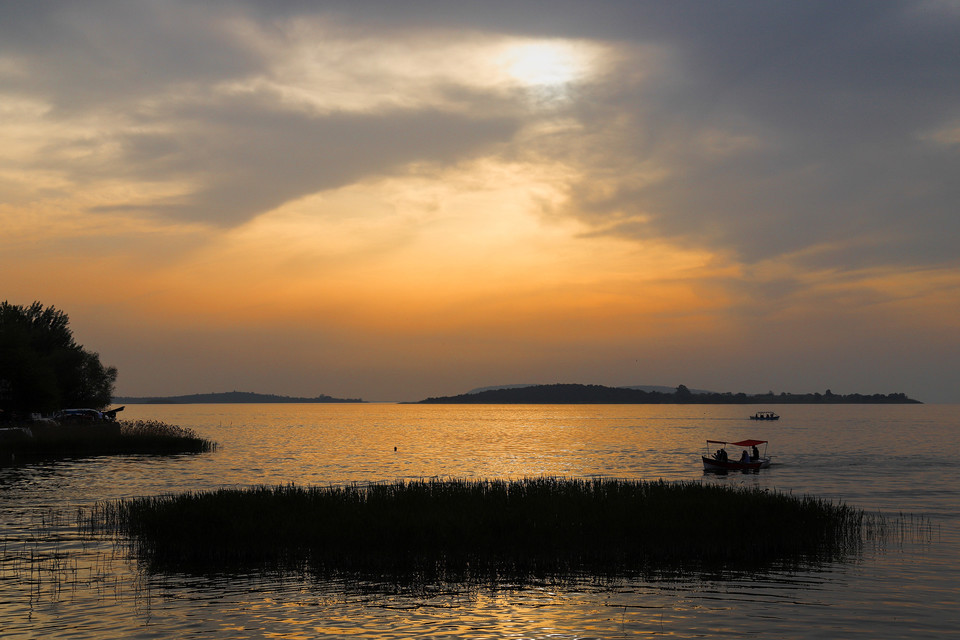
<point x="42" y="368"/>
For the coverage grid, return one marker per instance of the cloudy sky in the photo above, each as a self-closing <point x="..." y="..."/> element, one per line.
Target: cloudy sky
<point x="394" y="200"/>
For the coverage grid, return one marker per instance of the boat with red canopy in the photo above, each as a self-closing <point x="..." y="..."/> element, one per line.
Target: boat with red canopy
<point x="749" y="460"/>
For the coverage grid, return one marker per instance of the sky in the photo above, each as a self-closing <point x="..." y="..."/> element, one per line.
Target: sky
<point x="396" y="200"/>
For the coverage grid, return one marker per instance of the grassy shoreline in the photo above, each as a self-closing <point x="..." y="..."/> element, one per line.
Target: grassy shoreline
<point x="458" y="529"/>
<point x="101" y="438"/>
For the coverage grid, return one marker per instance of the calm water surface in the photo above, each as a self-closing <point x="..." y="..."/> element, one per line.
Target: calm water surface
<point x="54" y="583"/>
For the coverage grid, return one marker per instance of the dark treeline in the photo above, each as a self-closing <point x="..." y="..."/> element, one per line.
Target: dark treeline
<point x="229" y="397"/>
<point x="598" y="394"/>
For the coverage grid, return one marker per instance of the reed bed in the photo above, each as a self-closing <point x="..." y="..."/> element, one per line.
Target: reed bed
<point x="159" y="437"/>
<point x="110" y="438"/>
<point x="459" y="529"/>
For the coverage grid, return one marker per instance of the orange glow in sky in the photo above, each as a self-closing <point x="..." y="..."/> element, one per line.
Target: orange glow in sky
<point x="331" y="201"/>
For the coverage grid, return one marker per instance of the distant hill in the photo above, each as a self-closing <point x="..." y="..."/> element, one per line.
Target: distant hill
<point x="501" y="386"/>
<point x="598" y="394"/>
<point x="660" y="388"/>
<point x="229" y="397"/>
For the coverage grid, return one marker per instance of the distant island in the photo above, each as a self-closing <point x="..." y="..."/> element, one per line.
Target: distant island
<point x="229" y="397"/>
<point x="598" y="394"/>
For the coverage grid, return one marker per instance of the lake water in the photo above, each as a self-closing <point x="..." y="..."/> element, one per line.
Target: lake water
<point x="900" y="459"/>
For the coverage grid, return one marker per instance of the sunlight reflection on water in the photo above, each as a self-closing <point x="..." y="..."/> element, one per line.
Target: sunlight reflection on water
<point x="897" y="459"/>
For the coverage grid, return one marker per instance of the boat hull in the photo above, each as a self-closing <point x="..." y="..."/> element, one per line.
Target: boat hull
<point x="709" y="464"/>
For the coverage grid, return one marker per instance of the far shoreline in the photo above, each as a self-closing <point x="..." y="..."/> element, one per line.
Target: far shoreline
<point x="233" y="397"/>
<point x="541" y="394"/>
<point x="598" y="394"/>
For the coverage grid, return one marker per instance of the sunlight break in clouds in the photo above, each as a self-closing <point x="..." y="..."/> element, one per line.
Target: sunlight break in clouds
<point x="328" y="67"/>
<point x="544" y="63"/>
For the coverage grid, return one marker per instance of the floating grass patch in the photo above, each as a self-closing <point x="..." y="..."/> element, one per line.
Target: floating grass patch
<point x="100" y="438"/>
<point x="479" y="529"/>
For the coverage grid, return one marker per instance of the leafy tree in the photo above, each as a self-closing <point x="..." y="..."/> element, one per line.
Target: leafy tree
<point x="42" y="368"/>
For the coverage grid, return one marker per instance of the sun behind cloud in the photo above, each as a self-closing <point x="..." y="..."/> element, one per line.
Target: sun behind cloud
<point x="544" y="63"/>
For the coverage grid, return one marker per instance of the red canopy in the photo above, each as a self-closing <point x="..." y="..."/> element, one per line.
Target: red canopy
<point x="742" y="443"/>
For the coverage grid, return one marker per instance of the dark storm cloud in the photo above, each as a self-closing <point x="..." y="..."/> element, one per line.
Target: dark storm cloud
<point x="839" y="99"/>
<point x="106" y="54"/>
<point x="153" y="65"/>
<point x="252" y="159"/>
<point x="772" y="127"/>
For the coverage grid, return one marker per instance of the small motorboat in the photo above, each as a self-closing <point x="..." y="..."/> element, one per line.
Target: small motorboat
<point x="719" y="461"/>
<point x="764" y="415"/>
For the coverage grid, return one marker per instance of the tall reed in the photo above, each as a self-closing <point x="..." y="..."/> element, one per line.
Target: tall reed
<point x="481" y="528"/>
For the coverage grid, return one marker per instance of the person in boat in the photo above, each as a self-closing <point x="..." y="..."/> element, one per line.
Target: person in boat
<point x="755" y="455"/>
<point x="744" y="457"/>
<point x="721" y="455"/>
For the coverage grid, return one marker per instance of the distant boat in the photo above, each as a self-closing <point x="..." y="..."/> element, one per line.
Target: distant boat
<point x="764" y="415"/>
<point x="718" y="461"/>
